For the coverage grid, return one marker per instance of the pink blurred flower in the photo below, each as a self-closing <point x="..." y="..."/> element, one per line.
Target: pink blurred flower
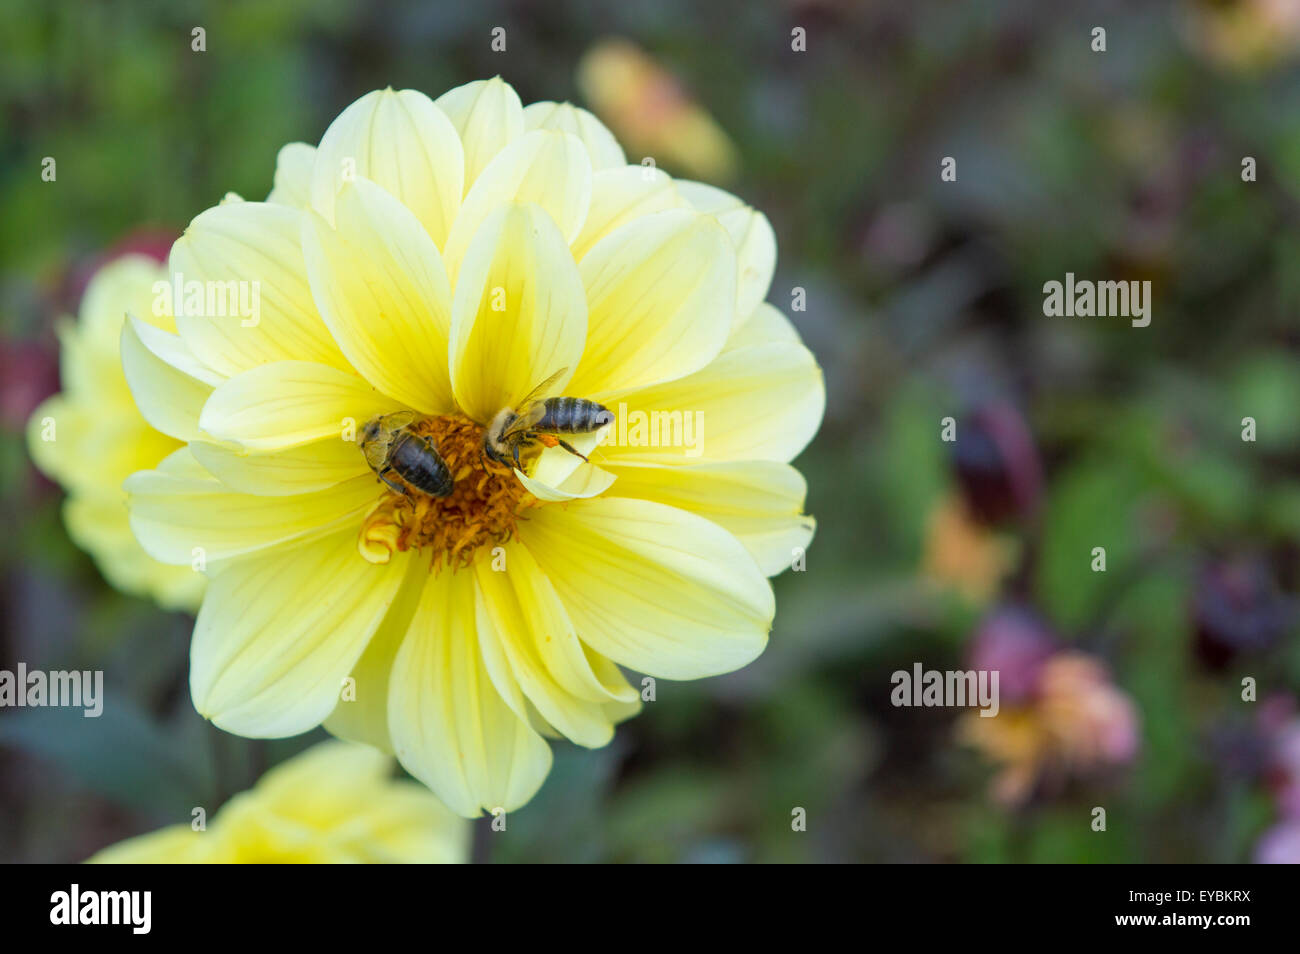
<point x="1014" y="642"/>
<point x="1062" y="716"/>
<point x="29" y="373"/>
<point x="1280" y="845"/>
<point x="1281" y="728"/>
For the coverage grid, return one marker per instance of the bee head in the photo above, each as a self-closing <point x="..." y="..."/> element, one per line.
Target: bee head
<point x="370" y="432"/>
<point x="494" y="444"/>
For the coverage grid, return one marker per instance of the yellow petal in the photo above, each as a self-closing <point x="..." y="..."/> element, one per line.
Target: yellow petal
<point x="571" y="666"/>
<point x="402" y="142"/>
<point x="555" y="466"/>
<point x="169" y="399"/>
<point x="265" y="666"/>
<point x="98" y="524"/>
<point x="289" y="403"/>
<point x="178" y="519"/>
<point x="93" y="447"/>
<point x="362" y="714"/>
<point x="169" y="347"/>
<point x="126" y="285"/>
<point x="293" y="168"/>
<point x="316" y="785"/>
<point x="518" y="641"/>
<point x="244" y="298"/>
<point x="380" y="286"/>
<point x="295" y="470"/>
<point x="175" y="845"/>
<point x="550" y="169"/>
<point x="55" y="431"/>
<point x="753" y="237"/>
<point x="586" y="480"/>
<point x="408" y="825"/>
<point x="621" y="711"/>
<point x="90" y="372"/>
<point x="767" y="324"/>
<point x="252" y="834"/>
<point x="557" y="475"/>
<point x="519" y="286"/>
<point x="487" y="116"/>
<point x="660" y="297"/>
<point x="602" y="147"/>
<point x="182" y="464"/>
<point x="659" y="590"/>
<point x="759" y="502"/>
<point x="620" y="196"/>
<point x="757" y="403"/>
<point x="449" y="725"/>
<point x="339" y="800"/>
<point x="177" y="589"/>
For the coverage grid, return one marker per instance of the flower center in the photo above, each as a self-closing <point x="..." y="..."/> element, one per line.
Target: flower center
<point x="480" y="511"/>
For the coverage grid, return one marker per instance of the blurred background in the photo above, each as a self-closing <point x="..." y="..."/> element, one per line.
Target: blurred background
<point x="1121" y="689"/>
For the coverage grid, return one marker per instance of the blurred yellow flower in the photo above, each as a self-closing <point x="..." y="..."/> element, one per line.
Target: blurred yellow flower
<point x="336" y="803"/>
<point x="91" y="437"/>
<point x="963" y="553"/>
<point x="652" y="114"/>
<point x="1243" y="35"/>
<point x="441" y="259"/>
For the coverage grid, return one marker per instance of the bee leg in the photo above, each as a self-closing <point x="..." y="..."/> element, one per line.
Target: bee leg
<point x="392" y="486"/>
<point x="572" y="450"/>
<point x="518" y="465"/>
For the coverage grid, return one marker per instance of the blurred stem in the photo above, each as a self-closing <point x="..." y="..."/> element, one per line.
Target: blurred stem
<point x="481" y="849"/>
<point x="219" y="749"/>
<point x="257" y="759"/>
<point x="1147" y="565"/>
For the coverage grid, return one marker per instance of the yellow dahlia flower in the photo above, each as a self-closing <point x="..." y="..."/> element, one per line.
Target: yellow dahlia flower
<point x="336" y="803"/>
<point x="443" y="258"/>
<point x="91" y="437"/>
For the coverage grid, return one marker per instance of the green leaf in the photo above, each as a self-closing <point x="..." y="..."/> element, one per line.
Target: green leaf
<point x="1266" y="387"/>
<point x="120" y="754"/>
<point x="1094" y="505"/>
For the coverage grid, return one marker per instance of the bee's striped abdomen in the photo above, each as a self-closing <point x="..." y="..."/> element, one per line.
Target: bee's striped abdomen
<point x="570" y="415"/>
<point x="414" y="460"/>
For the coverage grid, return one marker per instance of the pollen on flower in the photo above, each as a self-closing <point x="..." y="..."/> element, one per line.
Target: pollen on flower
<point x="481" y="511"/>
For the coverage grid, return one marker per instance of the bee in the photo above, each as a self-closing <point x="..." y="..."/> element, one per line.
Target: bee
<point x="538" y="419"/>
<point x="391" y="447"/>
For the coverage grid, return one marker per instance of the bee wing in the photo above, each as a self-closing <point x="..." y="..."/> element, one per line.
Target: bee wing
<point x="528" y="416"/>
<point x="398" y="419"/>
<point x="376" y="452"/>
<point x="536" y="393"/>
<point x="533" y="407"/>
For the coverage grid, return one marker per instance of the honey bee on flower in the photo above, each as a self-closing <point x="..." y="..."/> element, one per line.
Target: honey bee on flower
<point x="439" y="260"/>
<point x="541" y="419"/>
